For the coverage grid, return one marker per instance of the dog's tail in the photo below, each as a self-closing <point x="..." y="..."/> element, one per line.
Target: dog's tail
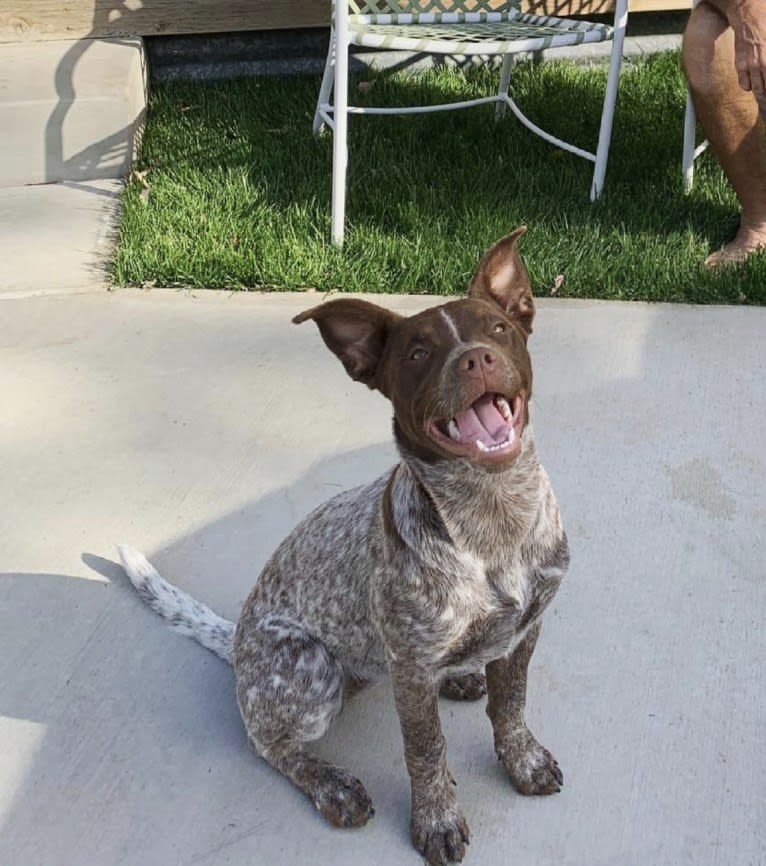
<point x="180" y="610"/>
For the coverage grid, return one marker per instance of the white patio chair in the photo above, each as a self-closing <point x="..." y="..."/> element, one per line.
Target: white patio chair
<point x="691" y="149"/>
<point x="460" y="28"/>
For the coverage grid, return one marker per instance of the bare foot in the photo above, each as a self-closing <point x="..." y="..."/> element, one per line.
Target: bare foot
<point x="747" y="241"/>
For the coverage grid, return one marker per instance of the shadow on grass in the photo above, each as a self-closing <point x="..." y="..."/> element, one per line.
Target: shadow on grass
<point x="240" y="190"/>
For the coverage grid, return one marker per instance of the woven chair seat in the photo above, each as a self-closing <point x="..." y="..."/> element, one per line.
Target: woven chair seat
<point x="472" y="33"/>
<point x="460" y="28"/>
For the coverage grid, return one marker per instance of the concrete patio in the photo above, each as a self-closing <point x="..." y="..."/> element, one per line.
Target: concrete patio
<point x="200" y="427"/>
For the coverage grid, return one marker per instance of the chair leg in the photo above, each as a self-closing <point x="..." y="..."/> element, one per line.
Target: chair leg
<point x="326" y="89"/>
<point x="340" y="145"/>
<point x="607" y="114"/>
<point x="505" y="80"/>
<point x="687" y="158"/>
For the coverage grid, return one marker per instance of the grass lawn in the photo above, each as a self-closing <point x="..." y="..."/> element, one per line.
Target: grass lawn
<point x="234" y="192"/>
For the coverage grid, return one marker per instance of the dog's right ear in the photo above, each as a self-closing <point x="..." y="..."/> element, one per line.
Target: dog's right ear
<point x="356" y="331"/>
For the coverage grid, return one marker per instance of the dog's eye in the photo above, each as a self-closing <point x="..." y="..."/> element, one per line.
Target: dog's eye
<point x="418" y="354"/>
<point x="498" y="328"/>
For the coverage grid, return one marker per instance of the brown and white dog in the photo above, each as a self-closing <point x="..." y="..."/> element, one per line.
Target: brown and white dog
<point x="434" y="574"/>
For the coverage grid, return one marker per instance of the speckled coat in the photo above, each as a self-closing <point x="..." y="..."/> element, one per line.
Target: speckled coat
<point x="436" y="574"/>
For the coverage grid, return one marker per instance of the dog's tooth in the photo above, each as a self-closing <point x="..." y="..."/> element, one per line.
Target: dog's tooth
<point x="481" y="445"/>
<point x="503" y="407"/>
<point x="453" y="431"/>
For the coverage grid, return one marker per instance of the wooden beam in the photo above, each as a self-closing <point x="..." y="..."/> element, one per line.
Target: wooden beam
<point x="659" y="5"/>
<point x="36" y="20"/>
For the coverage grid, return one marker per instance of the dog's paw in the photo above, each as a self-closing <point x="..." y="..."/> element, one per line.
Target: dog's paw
<point x="531" y="768"/>
<point x="468" y="687"/>
<point x="440" y="840"/>
<point x="342" y="799"/>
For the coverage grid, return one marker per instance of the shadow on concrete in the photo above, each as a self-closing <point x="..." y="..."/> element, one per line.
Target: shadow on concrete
<point x="176" y="739"/>
<point x="111" y="156"/>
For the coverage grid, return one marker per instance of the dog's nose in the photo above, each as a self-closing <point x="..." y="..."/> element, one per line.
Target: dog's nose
<point x="476" y="362"/>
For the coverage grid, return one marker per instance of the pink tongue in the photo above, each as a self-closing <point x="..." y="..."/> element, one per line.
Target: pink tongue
<point x="482" y="421"/>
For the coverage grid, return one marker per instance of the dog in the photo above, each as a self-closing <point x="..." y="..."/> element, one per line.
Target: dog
<point x="437" y="574"/>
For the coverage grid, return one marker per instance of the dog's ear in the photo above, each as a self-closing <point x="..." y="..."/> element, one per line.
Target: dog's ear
<point x="502" y="279"/>
<point x="356" y="331"/>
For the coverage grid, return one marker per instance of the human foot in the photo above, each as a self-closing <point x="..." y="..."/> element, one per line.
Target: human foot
<point x="747" y="241"/>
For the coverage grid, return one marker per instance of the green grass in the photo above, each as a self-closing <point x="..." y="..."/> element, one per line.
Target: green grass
<point x="239" y="191"/>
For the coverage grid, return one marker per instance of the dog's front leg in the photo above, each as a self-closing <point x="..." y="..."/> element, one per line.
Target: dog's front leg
<point x="438" y="829"/>
<point x="531" y="768"/>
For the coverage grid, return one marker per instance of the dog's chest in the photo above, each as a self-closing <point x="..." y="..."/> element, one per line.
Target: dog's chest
<point x="489" y="609"/>
<point x="467" y="577"/>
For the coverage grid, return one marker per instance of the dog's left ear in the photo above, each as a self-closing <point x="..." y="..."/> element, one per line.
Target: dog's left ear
<point x="502" y="279"/>
<point x="356" y="331"/>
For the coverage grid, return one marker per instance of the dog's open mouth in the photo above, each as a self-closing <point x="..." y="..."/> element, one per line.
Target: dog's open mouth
<point x="489" y="427"/>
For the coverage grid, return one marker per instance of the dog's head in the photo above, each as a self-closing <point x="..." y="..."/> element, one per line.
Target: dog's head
<point x="458" y="375"/>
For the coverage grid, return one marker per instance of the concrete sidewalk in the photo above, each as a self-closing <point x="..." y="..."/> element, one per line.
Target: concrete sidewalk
<point x="200" y="427"/>
<point x="57" y="238"/>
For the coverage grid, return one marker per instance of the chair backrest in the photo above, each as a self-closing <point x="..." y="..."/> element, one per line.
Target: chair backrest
<point x="397" y="7"/>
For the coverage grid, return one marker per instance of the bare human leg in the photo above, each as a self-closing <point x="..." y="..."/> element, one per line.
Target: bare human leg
<point x="731" y="119"/>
